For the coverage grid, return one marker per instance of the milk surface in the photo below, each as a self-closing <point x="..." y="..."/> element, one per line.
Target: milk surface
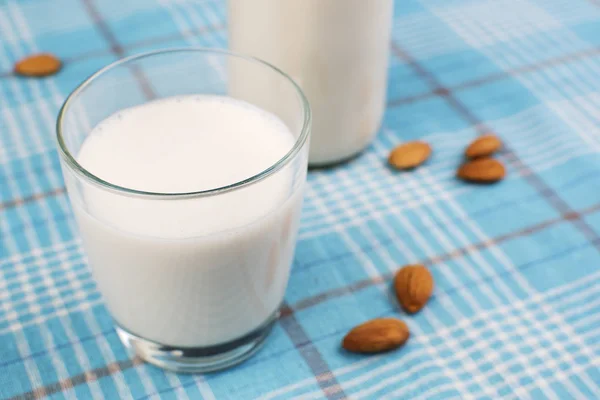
<point x="199" y="271"/>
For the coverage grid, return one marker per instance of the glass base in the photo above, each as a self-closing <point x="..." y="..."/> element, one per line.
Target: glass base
<point x="197" y="359"/>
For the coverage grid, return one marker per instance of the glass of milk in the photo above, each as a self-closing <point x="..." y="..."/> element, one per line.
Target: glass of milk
<point x="187" y="188"/>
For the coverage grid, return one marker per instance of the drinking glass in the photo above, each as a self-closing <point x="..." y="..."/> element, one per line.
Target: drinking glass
<point x="204" y="299"/>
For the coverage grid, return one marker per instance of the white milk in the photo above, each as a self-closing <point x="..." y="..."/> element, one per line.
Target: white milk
<point x="201" y="271"/>
<point x="337" y="50"/>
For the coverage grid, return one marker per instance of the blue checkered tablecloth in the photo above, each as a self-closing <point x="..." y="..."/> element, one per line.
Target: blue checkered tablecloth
<point x="516" y="309"/>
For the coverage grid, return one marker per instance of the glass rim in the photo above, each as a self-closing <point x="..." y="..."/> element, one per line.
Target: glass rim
<point x="66" y="155"/>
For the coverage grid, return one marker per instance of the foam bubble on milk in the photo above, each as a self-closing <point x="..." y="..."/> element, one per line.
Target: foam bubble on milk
<point x="195" y="272"/>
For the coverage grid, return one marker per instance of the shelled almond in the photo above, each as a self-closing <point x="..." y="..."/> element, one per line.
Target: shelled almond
<point x="38" y="65"/>
<point x="376" y="336"/>
<point x="483" y="146"/>
<point x="482" y="170"/>
<point x="409" y="155"/>
<point x="413" y="285"/>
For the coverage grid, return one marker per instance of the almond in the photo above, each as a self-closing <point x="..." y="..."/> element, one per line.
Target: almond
<point x="38" y="65"/>
<point x="483" y="146"/>
<point x="414" y="286"/>
<point x="482" y="170"/>
<point x="409" y="155"/>
<point x="377" y="335"/>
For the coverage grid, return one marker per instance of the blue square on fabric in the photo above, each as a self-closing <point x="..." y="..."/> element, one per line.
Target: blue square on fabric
<point x="478" y="324"/>
<point x="252" y="379"/>
<point x="11" y="357"/>
<point x="526" y="381"/>
<point x="416" y="120"/>
<point x="588" y="31"/>
<point x="505" y="391"/>
<point x="201" y="23"/>
<point x="345" y="311"/>
<point x="14" y="380"/>
<point x="436" y="341"/>
<point x="73" y="46"/>
<point x="143" y="25"/>
<point x="464" y="67"/>
<point x="332" y="264"/>
<point x="543" y="246"/>
<point x="313" y="252"/>
<point x="277" y="343"/>
<point x="46" y="25"/>
<point x="546" y="257"/>
<point x="408" y="7"/>
<point x="593" y="221"/>
<point x="405" y="85"/>
<point x="496" y="380"/>
<point x="493" y="210"/>
<point x="575" y="181"/>
<point x="498" y="99"/>
<point x="516" y="369"/>
<point x="74" y="73"/>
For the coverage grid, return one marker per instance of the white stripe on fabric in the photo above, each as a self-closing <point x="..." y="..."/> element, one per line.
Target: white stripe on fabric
<point x="312" y="380"/>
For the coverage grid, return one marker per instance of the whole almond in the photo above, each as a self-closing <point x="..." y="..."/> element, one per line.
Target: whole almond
<point x="483" y="146"/>
<point x="38" y="65"/>
<point x="482" y="170"/>
<point x="409" y="155"/>
<point x="414" y="286"/>
<point x="377" y="335"/>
